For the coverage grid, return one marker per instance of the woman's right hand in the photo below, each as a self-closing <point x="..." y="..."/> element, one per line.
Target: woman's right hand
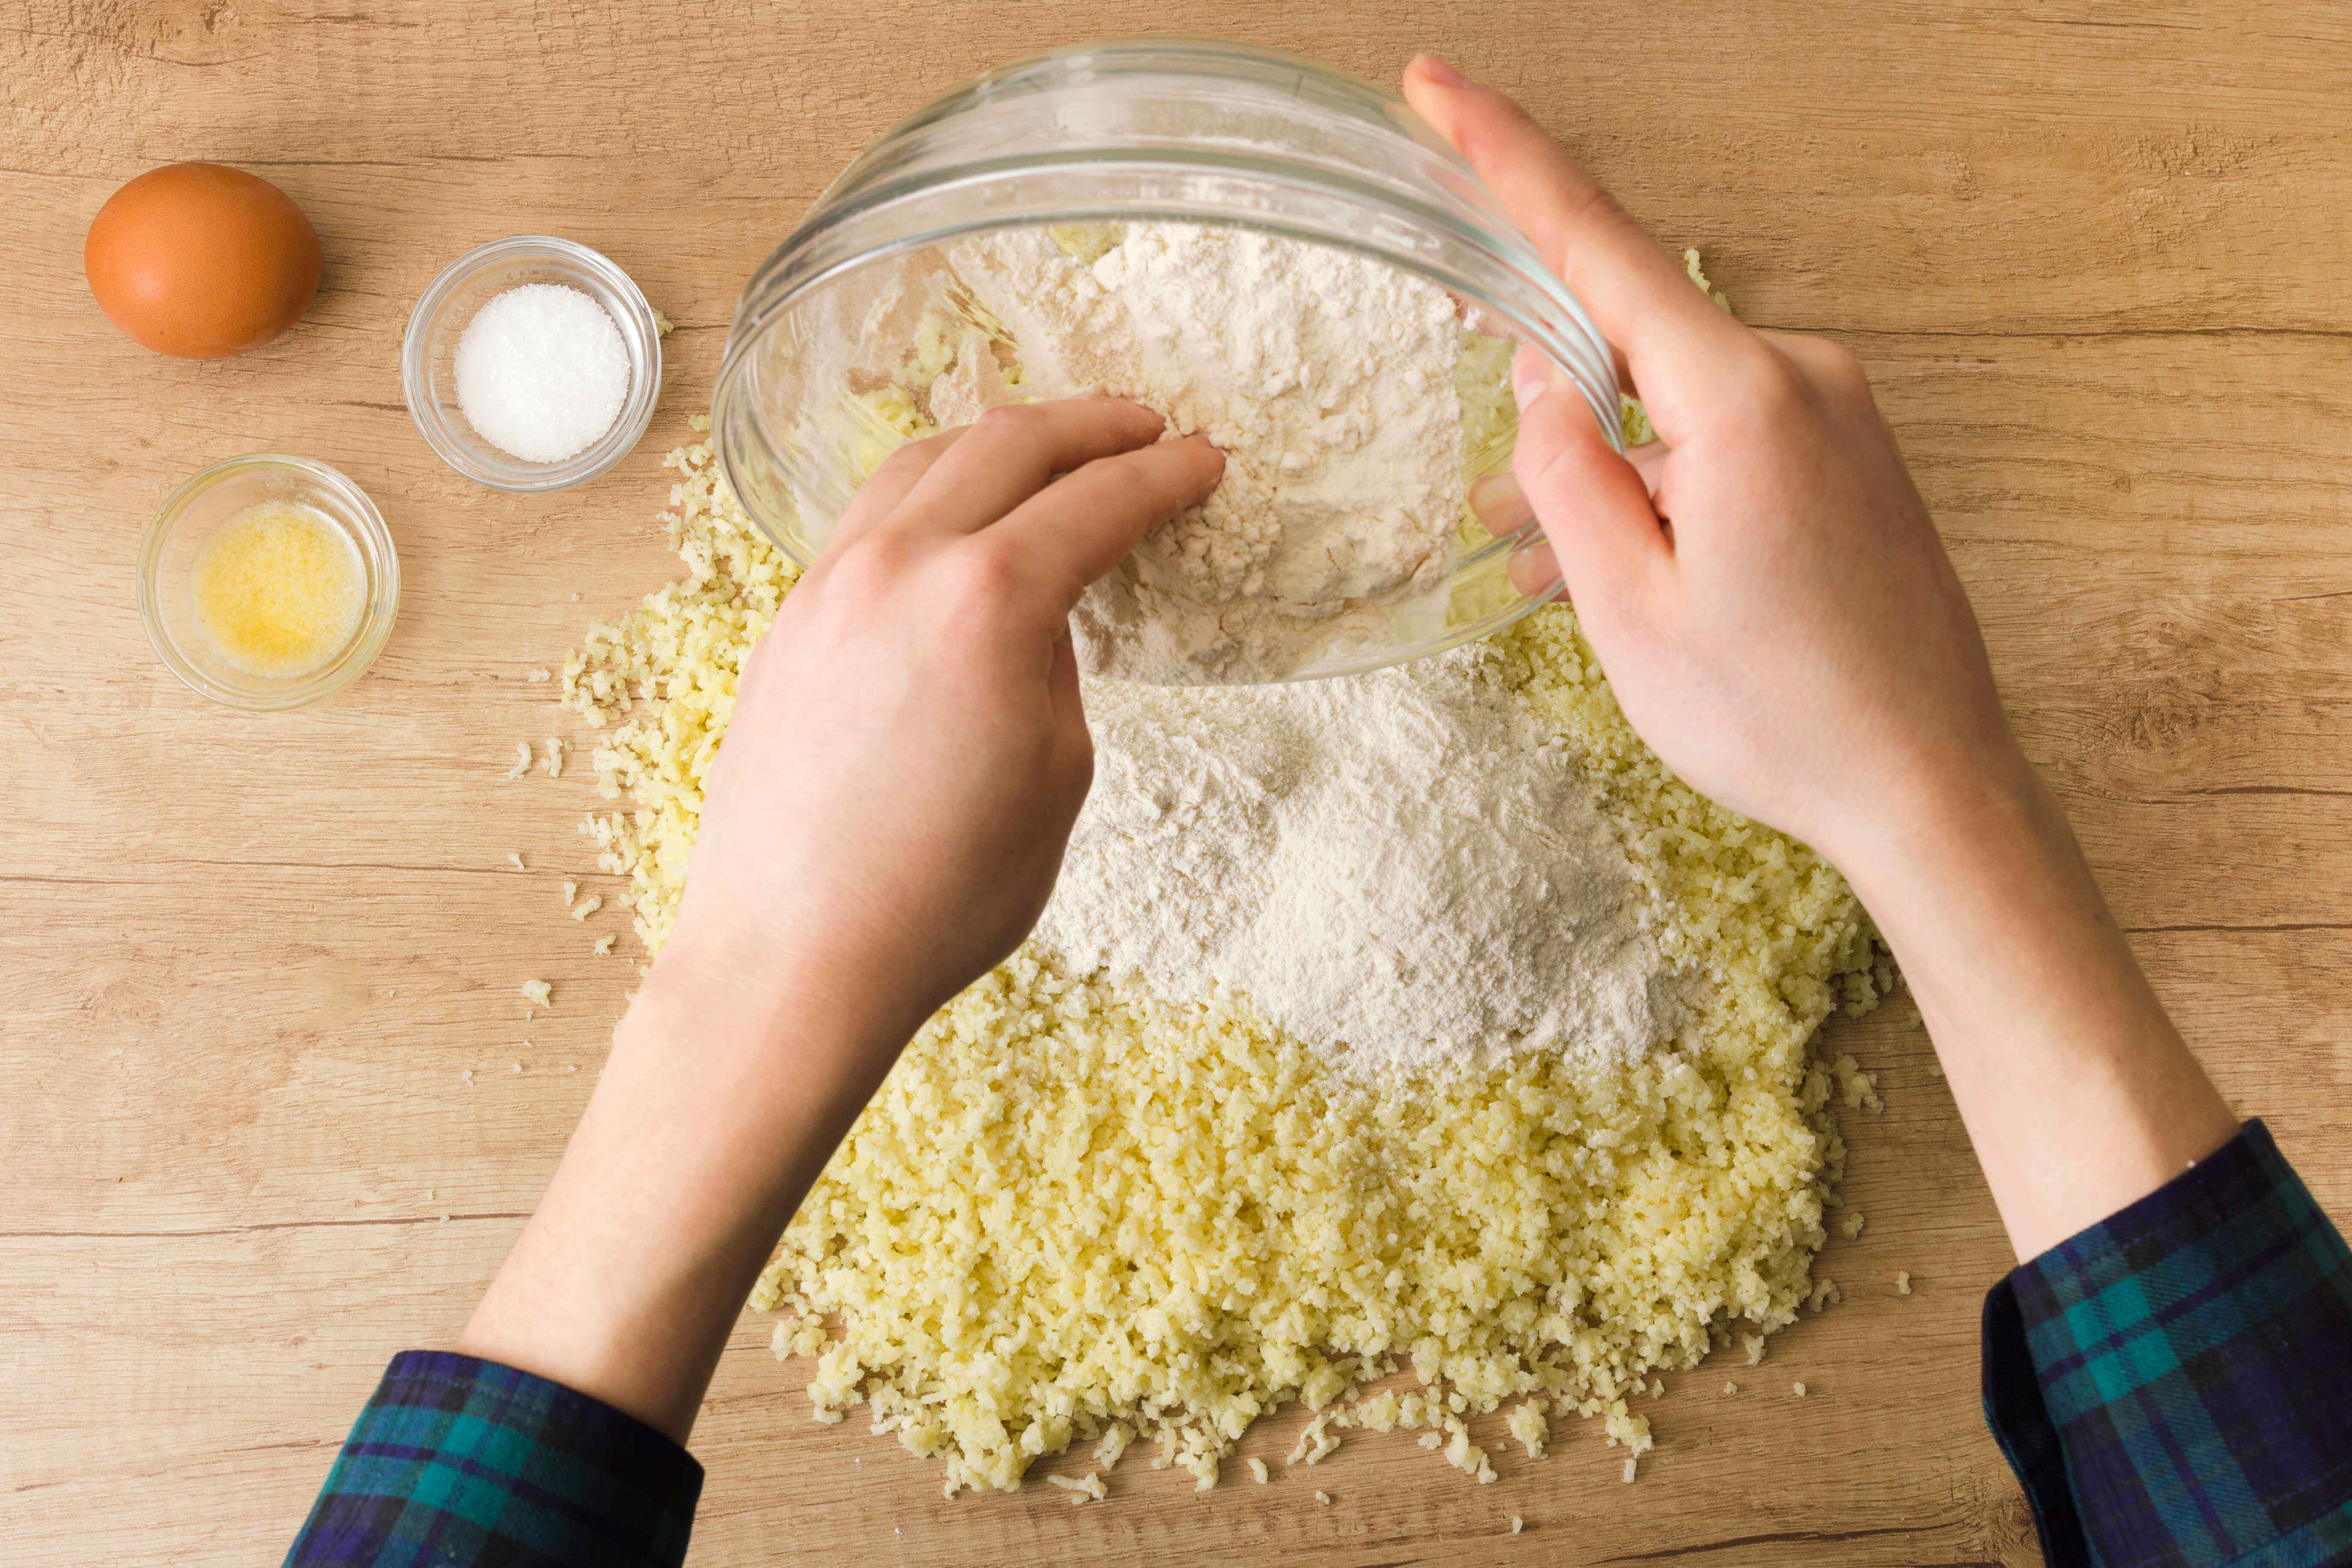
<point x="1762" y="584"/>
<point x="1779" y="620"/>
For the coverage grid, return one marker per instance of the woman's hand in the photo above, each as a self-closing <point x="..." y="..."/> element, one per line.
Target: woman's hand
<point x="908" y="753"/>
<point x="1779" y="620"/>
<point x="899" y="776"/>
<point x="1762" y="584"/>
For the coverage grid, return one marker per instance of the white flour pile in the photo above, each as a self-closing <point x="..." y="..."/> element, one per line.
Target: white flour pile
<point x="1399" y="868"/>
<point x="1327" y="380"/>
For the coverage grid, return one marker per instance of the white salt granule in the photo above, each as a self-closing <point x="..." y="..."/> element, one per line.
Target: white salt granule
<point x="541" y="372"/>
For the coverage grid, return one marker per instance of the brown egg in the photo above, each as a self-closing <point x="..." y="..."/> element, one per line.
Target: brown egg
<point x="200" y="261"/>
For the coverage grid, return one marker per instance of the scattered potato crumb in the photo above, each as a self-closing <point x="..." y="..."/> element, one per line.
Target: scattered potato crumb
<point x="587" y="906"/>
<point x="1114" y="1444"/>
<point x="542" y="677"/>
<point x="1825" y="1293"/>
<point x="514" y="856"/>
<point x="570" y="894"/>
<point x="1935" y="1066"/>
<point x="522" y="760"/>
<point x="554" y="762"/>
<point x="1517" y="1524"/>
<point x="538" y="994"/>
<point x="1856" y="1087"/>
<point x="1657" y="1389"/>
<point x="1799" y="1389"/>
<point x="1088" y="1488"/>
<point x="1903" y="1282"/>
<point x="517" y="1066"/>
<point x="663" y="327"/>
<point x="467" y="1075"/>
<point x="1257" y="1469"/>
<point x="1850" y="1226"/>
<point x="1630" y="1465"/>
<point x="1730" y="1388"/>
<point x="1323" y="1498"/>
<point x="604" y="943"/>
<point x="1755" y="1344"/>
<point x="1527" y="1425"/>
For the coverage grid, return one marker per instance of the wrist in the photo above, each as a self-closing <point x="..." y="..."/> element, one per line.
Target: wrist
<point x="733" y="985"/>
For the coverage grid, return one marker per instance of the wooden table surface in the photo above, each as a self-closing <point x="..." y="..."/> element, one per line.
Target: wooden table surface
<point x="2097" y="257"/>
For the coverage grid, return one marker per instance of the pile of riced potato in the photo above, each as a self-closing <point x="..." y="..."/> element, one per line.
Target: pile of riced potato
<point x="1078" y="1214"/>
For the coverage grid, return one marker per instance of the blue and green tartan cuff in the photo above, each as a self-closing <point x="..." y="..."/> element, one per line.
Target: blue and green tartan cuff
<point x="2173" y="1385"/>
<point x="457" y="1460"/>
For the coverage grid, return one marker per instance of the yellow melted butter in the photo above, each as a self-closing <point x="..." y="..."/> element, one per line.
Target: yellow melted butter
<point x="278" y="589"/>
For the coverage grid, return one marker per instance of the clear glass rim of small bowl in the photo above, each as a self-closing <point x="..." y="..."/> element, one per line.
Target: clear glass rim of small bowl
<point x="641" y="332"/>
<point x="829" y="241"/>
<point x="376" y="619"/>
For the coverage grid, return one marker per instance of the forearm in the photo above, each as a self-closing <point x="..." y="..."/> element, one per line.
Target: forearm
<point x="2077" y="1092"/>
<point x="716" y="1113"/>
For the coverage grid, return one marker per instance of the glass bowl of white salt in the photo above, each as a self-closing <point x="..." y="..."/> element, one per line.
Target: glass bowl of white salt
<point x="1266" y="251"/>
<point x="531" y="363"/>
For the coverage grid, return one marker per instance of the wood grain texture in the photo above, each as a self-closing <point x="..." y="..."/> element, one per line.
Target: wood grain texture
<point x="2095" y="255"/>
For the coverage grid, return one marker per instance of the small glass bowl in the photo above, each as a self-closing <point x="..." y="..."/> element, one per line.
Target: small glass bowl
<point x="428" y="357"/>
<point x="167" y="558"/>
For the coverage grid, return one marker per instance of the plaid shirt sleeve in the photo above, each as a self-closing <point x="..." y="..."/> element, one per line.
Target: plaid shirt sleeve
<point x="457" y="1460"/>
<point x="2173" y="1386"/>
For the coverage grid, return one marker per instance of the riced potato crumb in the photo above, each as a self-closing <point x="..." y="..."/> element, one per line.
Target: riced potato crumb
<point x="515" y="858"/>
<point x="1075" y="1205"/>
<point x="1799" y="1388"/>
<point x="604" y="943"/>
<point x="1903" y="1282"/>
<point x="522" y="760"/>
<point x="571" y="893"/>
<point x="554" y="759"/>
<point x="1856" y="1087"/>
<point x="587" y="906"/>
<point x="1630" y="1466"/>
<point x="1730" y="1388"/>
<point x="1257" y="1469"/>
<point x="1088" y="1489"/>
<point x="1113" y="1445"/>
<point x="1850" y="1225"/>
<point x="1754" y="1346"/>
<point x="542" y="677"/>
<point x="1527" y="1425"/>
<point x="1324" y="1497"/>
<point x="1517" y="1524"/>
<point x="538" y="993"/>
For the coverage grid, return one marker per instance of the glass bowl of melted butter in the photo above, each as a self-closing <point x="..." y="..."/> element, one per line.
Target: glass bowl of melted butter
<point x="268" y="581"/>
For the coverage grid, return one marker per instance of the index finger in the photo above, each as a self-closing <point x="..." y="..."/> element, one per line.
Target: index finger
<point x="1674" y="339"/>
<point x="1009" y="454"/>
<point x="1083" y="524"/>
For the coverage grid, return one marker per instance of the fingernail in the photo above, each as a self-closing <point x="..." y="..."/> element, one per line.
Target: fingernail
<point x="1531" y="375"/>
<point x="1499" y="505"/>
<point x="1444" y="75"/>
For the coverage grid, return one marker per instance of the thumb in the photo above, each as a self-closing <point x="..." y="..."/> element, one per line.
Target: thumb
<point x="1593" y="503"/>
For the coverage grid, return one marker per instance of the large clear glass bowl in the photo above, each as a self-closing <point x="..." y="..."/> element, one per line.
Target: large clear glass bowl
<point x="1147" y="129"/>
